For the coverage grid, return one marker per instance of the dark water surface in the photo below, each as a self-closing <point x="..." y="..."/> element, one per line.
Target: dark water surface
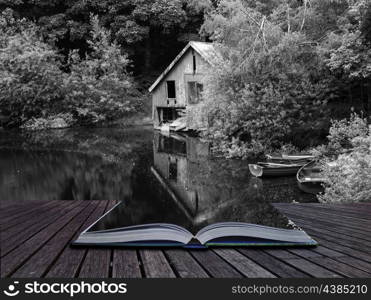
<point x="158" y="178"/>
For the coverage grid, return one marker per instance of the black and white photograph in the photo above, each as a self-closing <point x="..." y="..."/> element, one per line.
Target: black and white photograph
<point x="185" y="139"/>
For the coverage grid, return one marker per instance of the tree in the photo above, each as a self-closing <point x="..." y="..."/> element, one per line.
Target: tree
<point x="267" y="86"/>
<point x="99" y="87"/>
<point x="348" y="176"/>
<point x="348" y="53"/>
<point x="143" y="28"/>
<point x="30" y="78"/>
<point x="36" y="88"/>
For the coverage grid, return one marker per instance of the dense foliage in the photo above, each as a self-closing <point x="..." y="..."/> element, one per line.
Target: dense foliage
<point x="348" y="176"/>
<point x="98" y="87"/>
<point x="30" y="75"/>
<point x="152" y="32"/>
<point x="286" y="66"/>
<point x="37" y="91"/>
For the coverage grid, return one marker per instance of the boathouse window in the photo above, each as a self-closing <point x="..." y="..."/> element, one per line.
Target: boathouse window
<point x="173" y="168"/>
<point x="194" y="92"/>
<point x="171" y="94"/>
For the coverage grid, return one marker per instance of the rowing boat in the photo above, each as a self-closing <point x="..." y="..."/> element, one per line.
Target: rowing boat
<point x="310" y="178"/>
<point x="262" y="169"/>
<point x="302" y="158"/>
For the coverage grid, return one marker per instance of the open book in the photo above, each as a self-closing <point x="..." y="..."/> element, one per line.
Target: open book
<point x="186" y="199"/>
<point x="164" y="234"/>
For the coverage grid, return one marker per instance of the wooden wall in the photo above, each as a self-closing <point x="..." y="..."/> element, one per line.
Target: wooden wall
<point x="181" y="73"/>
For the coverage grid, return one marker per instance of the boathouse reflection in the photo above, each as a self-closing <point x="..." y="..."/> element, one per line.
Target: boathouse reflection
<point x="208" y="190"/>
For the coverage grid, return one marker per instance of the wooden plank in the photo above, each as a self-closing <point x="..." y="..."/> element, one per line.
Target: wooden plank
<point x="350" y="210"/>
<point x="155" y="264"/>
<point x="335" y="220"/>
<point x="350" y="231"/>
<point x="328" y="216"/>
<point x="304" y="252"/>
<point x="37" y="265"/>
<point x="322" y="249"/>
<point x="21" y="211"/>
<point x="243" y="264"/>
<point x="281" y="254"/>
<point x="16" y="240"/>
<point x="304" y="265"/>
<point x="325" y="220"/>
<point x="338" y="234"/>
<point x="96" y="264"/>
<point x="97" y="261"/>
<point x="359" y="206"/>
<point x="354" y="262"/>
<point x="275" y="266"/>
<point x="68" y="263"/>
<point x="18" y="208"/>
<point x="17" y="257"/>
<point x="184" y="264"/>
<point x="25" y="223"/>
<point x="125" y="264"/>
<point x="329" y="209"/>
<point x="336" y="255"/>
<point x="344" y="249"/>
<point x="329" y="227"/>
<point x="215" y="265"/>
<point x="311" y="268"/>
<point x="341" y="268"/>
<point x="359" y="247"/>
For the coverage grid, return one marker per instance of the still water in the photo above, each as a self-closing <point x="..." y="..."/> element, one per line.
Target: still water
<point x="151" y="173"/>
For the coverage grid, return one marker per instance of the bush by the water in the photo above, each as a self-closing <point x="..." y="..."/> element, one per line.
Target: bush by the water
<point x="30" y="77"/>
<point x="348" y="177"/>
<point x="35" y="87"/>
<point x="281" y="72"/>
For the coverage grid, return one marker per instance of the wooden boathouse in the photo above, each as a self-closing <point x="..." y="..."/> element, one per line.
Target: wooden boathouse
<point x="180" y="86"/>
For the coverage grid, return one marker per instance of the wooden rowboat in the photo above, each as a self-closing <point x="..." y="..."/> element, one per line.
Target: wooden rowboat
<point x="273" y="169"/>
<point x="310" y="178"/>
<point x="302" y="158"/>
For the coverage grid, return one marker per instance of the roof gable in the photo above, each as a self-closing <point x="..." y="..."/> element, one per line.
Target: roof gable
<point x="206" y="50"/>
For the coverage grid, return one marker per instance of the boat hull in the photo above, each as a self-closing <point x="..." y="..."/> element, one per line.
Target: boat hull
<point x="310" y="179"/>
<point x="314" y="188"/>
<point x="262" y="171"/>
<point x="291" y="158"/>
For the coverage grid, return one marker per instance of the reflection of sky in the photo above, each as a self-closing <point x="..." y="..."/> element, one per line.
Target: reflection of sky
<point x="185" y="186"/>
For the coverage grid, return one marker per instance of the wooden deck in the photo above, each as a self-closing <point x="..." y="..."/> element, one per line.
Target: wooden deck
<point x="35" y="243"/>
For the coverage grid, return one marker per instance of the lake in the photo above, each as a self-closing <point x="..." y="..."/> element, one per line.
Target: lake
<point x="153" y="174"/>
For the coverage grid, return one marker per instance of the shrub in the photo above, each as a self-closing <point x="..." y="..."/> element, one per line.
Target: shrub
<point x="30" y="77"/>
<point x="99" y="88"/>
<point x="270" y="104"/>
<point x="268" y="85"/>
<point x="342" y="134"/>
<point x="348" y="178"/>
<point x="34" y="90"/>
<point x="51" y="122"/>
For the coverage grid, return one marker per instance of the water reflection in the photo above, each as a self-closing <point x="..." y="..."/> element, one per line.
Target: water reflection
<point x="207" y="190"/>
<point x="158" y="178"/>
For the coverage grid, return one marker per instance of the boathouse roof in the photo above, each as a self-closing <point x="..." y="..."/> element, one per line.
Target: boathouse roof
<point x="207" y="51"/>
